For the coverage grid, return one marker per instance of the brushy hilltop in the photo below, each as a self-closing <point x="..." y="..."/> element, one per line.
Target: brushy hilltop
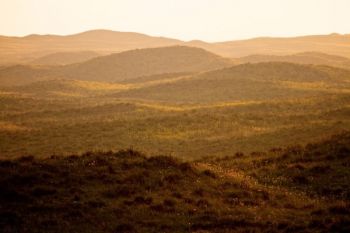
<point x="129" y="192"/>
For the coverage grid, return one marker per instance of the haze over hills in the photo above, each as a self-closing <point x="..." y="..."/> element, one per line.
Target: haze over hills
<point x="122" y="66"/>
<point x="315" y="58"/>
<point x="24" y="49"/>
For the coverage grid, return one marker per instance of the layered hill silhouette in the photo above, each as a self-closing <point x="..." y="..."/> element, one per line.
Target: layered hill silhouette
<point x="315" y="58"/>
<point x="25" y="49"/>
<point x="121" y="66"/>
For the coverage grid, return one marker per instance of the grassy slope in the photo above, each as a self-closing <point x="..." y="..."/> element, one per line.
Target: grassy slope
<point x="127" y="192"/>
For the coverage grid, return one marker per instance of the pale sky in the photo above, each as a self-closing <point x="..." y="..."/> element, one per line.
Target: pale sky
<point x="209" y="20"/>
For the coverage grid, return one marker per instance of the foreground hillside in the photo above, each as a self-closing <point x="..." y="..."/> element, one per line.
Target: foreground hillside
<point x="128" y="192"/>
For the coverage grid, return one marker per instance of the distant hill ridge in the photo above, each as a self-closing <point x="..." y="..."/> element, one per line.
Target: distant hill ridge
<point x="24" y="49"/>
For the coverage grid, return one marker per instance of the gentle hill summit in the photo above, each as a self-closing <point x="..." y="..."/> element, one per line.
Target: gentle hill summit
<point x="123" y="66"/>
<point x="64" y="58"/>
<point x="315" y="58"/>
<point x="144" y="62"/>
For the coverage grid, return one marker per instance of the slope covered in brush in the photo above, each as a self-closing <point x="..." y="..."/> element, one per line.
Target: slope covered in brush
<point x="262" y="81"/>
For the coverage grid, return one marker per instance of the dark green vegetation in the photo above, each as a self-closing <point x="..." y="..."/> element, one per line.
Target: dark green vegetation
<point x="282" y="190"/>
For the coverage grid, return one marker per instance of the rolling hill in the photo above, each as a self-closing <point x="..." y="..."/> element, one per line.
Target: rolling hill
<point x="122" y="66"/>
<point x="258" y="82"/>
<point x="314" y="58"/>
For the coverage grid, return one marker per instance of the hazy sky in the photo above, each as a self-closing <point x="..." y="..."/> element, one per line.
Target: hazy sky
<point x="210" y="20"/>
